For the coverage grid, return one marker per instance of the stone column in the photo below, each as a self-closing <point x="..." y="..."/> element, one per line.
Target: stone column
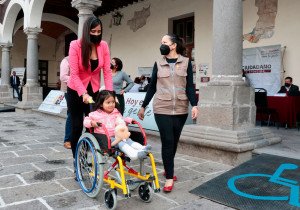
<point x="5" y="90"/>
<point x="32" y="65"/>
<point x="225" y="129"/>
<point x="32" y="92"/>
<point x="85" y="8"/>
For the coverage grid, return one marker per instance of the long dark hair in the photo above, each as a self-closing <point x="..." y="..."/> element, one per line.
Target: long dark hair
<point x="102" y="96"/>
<point x="180" y="48"/>
<point x="86" y="43"/>
<point x="119" y="63"/>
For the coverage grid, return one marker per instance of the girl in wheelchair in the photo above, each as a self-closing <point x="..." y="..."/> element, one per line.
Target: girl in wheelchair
<point x="105" y="113"/>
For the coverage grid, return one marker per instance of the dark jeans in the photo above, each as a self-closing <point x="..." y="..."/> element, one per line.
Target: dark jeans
<point x="121" y="105"/>
<point x="77" y="110"/>
<point x="170" y="127"/>
<point x="68" y="126"/>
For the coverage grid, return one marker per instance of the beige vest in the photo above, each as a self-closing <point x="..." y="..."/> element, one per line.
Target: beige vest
<point x="170" y="97"/>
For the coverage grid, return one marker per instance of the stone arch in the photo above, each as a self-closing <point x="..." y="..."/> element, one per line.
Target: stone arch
<point x="11" y="13"/>
<point x="52" y="18"/>
<point x="34" y="16"/>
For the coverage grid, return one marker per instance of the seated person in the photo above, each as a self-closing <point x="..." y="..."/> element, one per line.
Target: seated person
<point x="289" y="88"/>
<point x="105" y="112"/>
<point x="136" y="86"/>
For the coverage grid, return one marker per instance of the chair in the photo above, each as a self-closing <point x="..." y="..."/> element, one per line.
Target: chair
<point x="262" y="109"/>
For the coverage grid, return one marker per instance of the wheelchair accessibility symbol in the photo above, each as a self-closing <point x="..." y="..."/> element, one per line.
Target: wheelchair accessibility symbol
<point x="293" y="198"/>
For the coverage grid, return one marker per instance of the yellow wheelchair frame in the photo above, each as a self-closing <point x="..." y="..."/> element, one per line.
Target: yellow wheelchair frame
<point x="90" y="160"/>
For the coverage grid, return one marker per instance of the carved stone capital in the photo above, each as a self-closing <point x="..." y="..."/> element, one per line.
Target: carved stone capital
<point x="86" y="6"/>
<point x="32" y="33"/>
<point x="6" y="46"/>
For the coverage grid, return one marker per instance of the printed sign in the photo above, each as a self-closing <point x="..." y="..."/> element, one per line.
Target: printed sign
<point x="55" y="102"/>
<point x="133" y="102"/>
<point x="262" y="67"/>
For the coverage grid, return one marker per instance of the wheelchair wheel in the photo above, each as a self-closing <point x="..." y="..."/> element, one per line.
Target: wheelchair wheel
<point x="146" y="192"/>
<point x="89" y="165"/>
<point x="110" y="199"/>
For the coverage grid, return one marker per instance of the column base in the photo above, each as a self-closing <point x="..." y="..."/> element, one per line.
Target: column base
<point x="224" y="146"/>
<point x="6" y="95"/>
<point x="32" y="97"/>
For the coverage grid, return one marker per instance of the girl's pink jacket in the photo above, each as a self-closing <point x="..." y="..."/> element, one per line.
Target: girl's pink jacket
<point x="108" y="119"/>
<point x="80" y="77"/>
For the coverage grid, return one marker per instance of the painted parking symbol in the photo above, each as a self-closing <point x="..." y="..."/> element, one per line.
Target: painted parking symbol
<point x="293" y="198"/>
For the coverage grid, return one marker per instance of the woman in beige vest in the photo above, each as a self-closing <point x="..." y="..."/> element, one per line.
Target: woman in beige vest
<point x="172" y="87"/>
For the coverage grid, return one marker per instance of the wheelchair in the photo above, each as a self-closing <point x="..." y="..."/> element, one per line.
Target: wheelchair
<point x="96" y="167"/>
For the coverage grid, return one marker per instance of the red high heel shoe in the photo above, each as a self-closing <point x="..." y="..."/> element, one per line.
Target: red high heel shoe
<point x="174" y="177"/>
<point x="168" y="188"/>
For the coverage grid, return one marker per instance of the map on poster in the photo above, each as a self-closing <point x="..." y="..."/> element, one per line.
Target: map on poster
<point x="55" y="102"/>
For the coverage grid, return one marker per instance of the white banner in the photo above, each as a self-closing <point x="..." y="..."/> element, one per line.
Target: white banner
<point x="262" y="67"/>
<point x="55" y="102"/>
<point x="133" y="102"/>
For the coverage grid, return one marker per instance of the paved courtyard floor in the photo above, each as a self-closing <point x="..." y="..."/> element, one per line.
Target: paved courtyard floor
<point x="36" y="171"/>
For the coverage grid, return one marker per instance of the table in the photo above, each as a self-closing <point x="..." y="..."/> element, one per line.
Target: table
<point x="287" y="108"/>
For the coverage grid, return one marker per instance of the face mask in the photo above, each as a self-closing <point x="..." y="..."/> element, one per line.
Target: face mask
<point x="164" y="49"/>
<point x="96" y="39"/>
<point x="287" y="84"/>
<point x="112" y="66"/>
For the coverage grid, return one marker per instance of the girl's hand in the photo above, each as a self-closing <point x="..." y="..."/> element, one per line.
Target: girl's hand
<point x="85" y="98"/>
<point x="195" y="112"/>
<point x="122" y="92"/>
<point x="141" y="113"/>
<point x="94" y="124"/>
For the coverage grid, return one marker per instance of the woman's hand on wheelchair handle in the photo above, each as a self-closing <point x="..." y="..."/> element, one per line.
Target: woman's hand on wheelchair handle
<point x="141" y="113"/>
<point x="85" y="98"/>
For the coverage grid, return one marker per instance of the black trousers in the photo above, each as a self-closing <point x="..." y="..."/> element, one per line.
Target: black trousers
<point x="77" y="110"/>
<point x="121" y="105"/>
<point x="170" y="127"/>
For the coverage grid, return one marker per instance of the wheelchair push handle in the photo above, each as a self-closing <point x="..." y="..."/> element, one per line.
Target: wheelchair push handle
<point x="141" y="129"/>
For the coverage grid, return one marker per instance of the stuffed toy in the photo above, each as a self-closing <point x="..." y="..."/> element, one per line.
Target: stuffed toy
<point x="121" y="132"/>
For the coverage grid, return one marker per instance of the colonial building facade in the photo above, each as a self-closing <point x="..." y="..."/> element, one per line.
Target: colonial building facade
<point x="35" y="32"/>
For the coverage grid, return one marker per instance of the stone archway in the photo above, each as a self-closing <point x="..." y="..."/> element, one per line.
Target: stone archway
<point x="51" y="18"/>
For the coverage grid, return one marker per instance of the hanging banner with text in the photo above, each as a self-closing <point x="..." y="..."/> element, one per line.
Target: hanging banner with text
<point x="262" y="67"/>
<point x="133" y="102"/>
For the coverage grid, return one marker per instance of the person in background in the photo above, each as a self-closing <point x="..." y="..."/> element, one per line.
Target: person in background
<point x="289" y="88"/>
<point x="88" y="56"/>
<point x="64" y="77"/>
<point x="172" y="85"/>
<point x="118" y="79"/>
<point x="15" y="83"/>
<point x="136" y="86"/>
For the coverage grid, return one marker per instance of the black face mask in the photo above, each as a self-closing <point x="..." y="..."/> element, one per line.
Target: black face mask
<point x="287" y="84"/>
<point x="96" y="39"/>
<point x="164" y="49"/>
<point x="112" y="66"/>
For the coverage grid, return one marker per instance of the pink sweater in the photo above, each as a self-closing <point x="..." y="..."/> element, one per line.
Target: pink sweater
<point x="80" y="78"/>
<point x="64" y="74"/>
<point x="110" y="120"/>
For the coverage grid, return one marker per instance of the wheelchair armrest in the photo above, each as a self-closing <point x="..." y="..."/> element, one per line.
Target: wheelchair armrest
<point x="106" y="133"/>
<point x="141" y="129"/>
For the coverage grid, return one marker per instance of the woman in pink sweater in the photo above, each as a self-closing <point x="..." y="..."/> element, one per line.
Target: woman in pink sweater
<point x="88" y="56"/>
<point x="107" y="114"/>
